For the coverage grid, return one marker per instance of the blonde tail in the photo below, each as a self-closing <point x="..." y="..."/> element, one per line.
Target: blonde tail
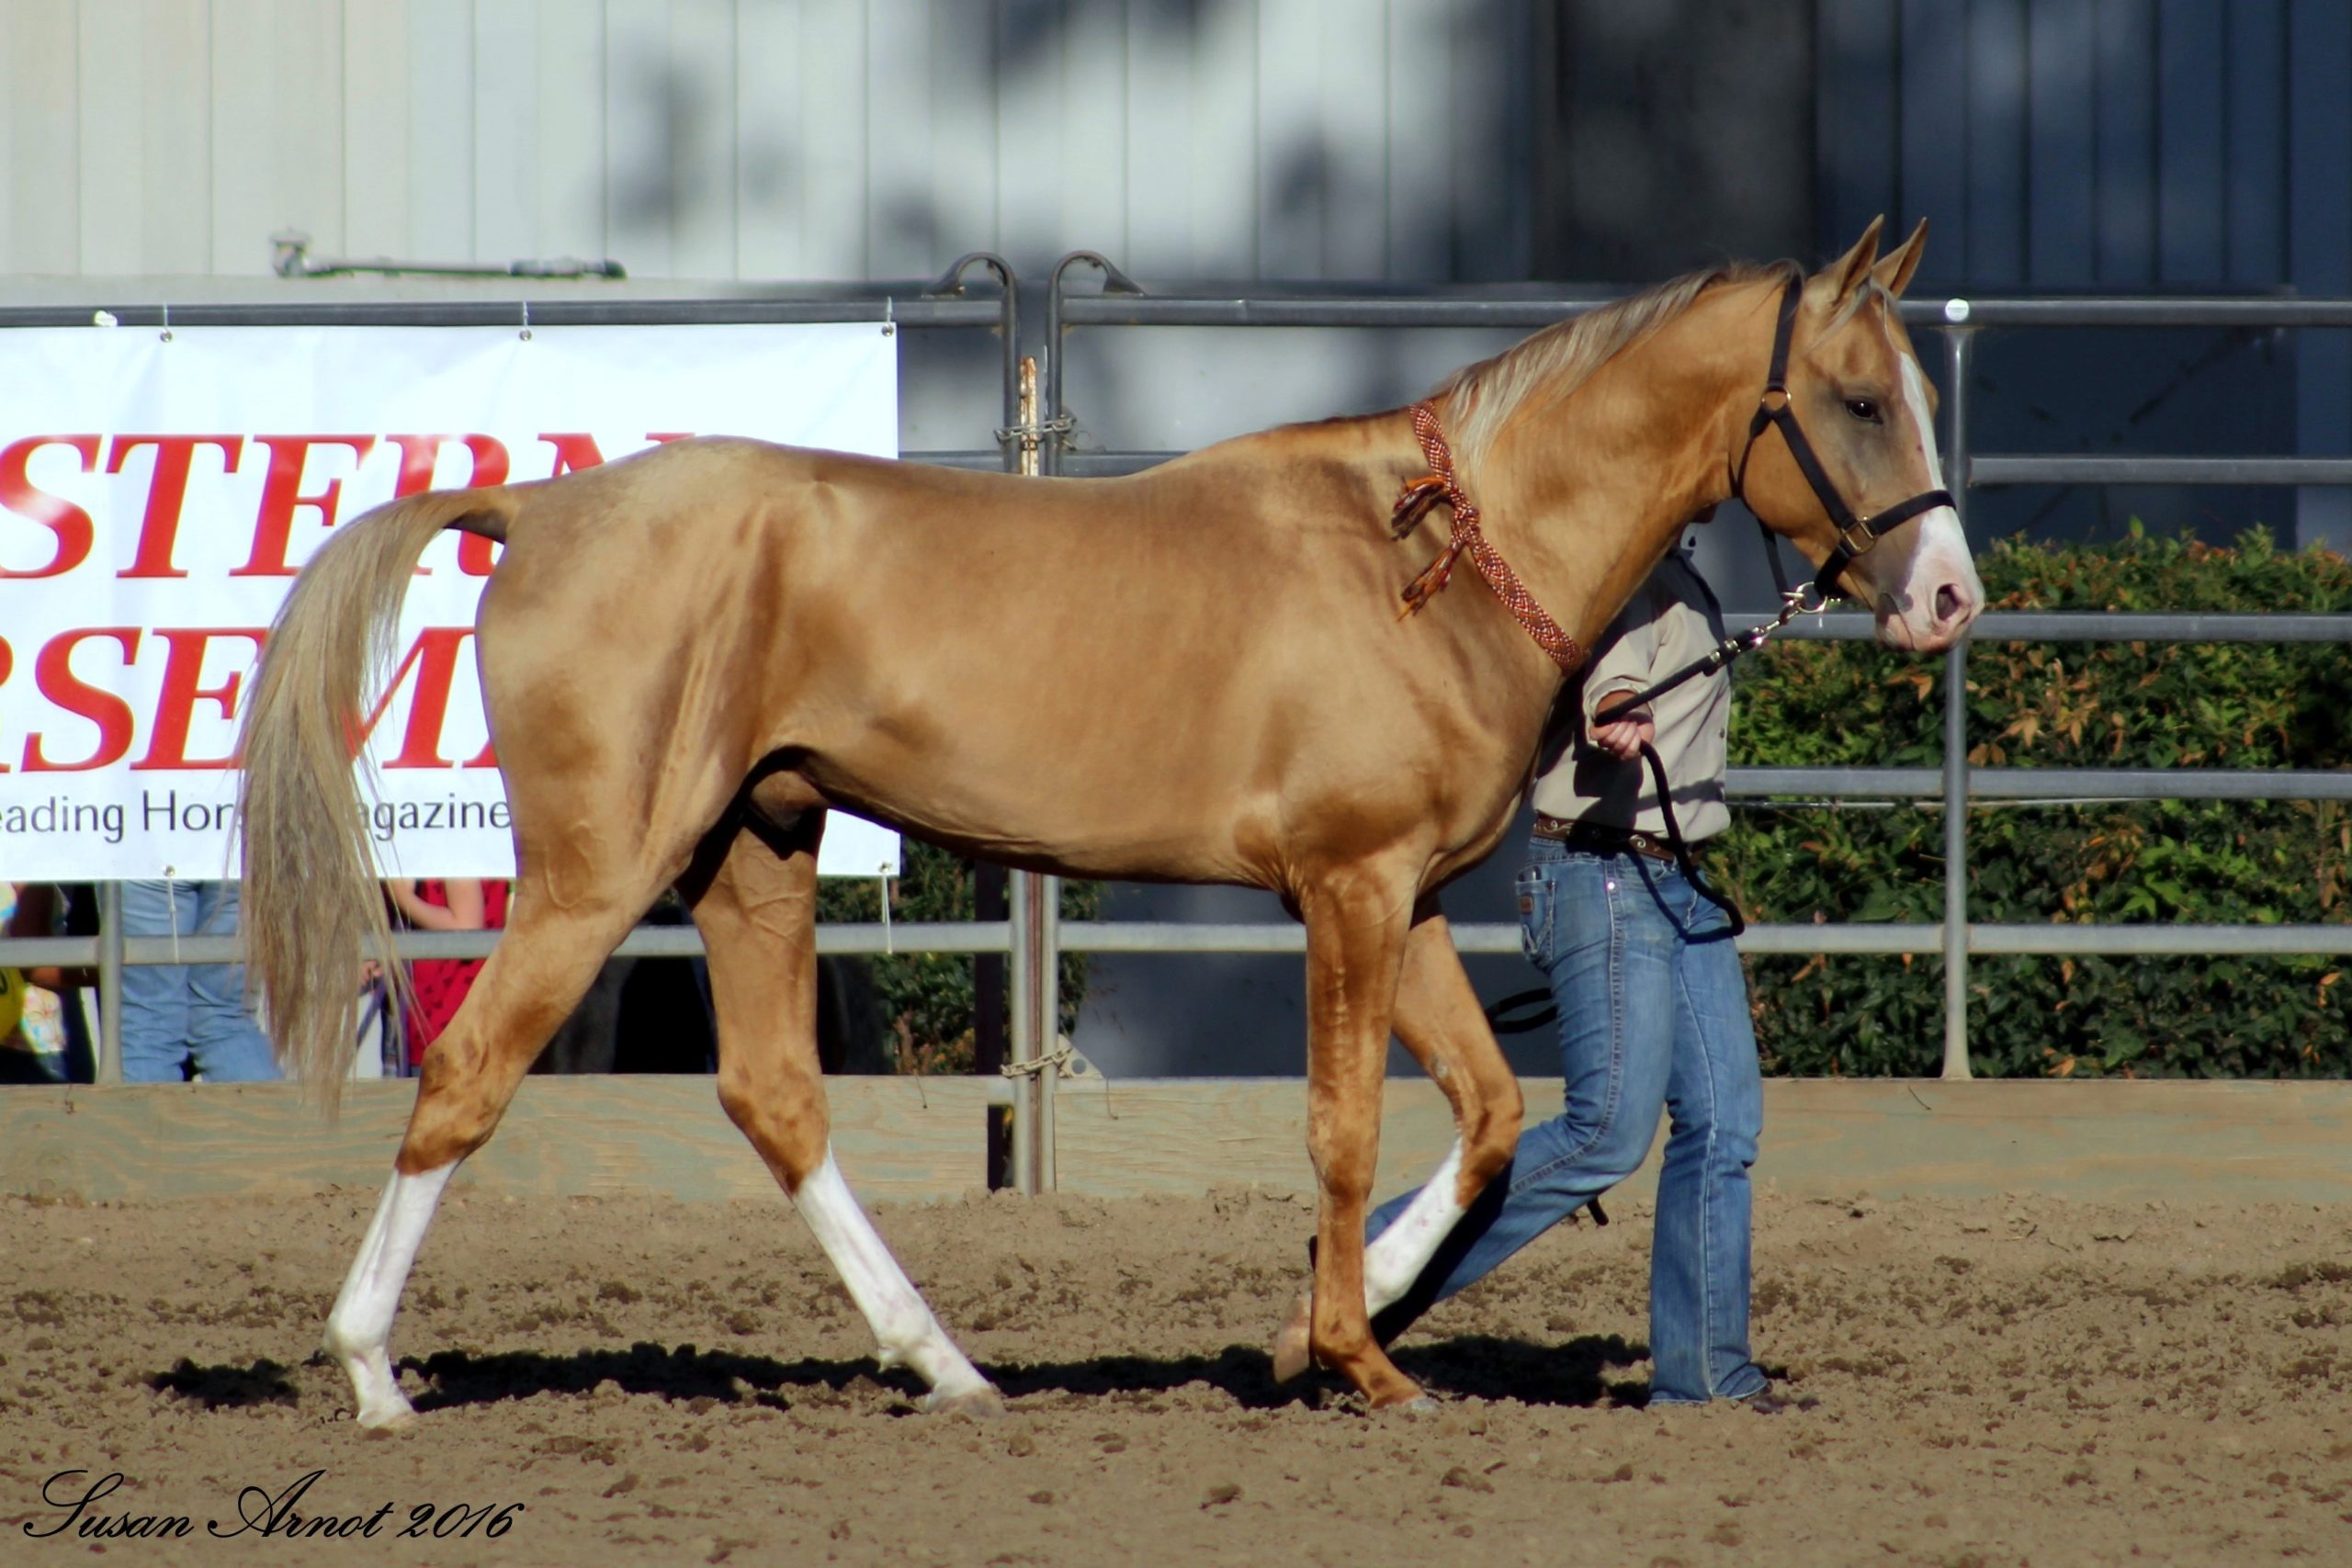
<point x="313" y="908"/>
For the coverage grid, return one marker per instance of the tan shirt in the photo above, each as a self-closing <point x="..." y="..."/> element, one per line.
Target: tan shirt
<point x="1671" y="621"/>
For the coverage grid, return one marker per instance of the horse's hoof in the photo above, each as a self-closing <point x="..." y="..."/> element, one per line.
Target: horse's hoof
<point x="1402" y="1394"/>
<point x="981" y="1403"/>
<point x="1293" y="1351"/>
<point x="387" y="1419"/>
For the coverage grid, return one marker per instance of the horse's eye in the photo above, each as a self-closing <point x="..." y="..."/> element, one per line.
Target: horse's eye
<point x="1864" y="409"/>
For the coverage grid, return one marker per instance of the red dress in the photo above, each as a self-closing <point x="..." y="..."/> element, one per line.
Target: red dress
<point x="442" y="983"/>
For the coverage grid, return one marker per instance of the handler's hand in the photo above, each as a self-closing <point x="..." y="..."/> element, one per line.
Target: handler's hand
<point x="1624" y="738"/>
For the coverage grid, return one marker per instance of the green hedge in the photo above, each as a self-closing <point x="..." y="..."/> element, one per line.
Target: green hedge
<point x="2074" y="704"/>
<point x="926" y="997"/>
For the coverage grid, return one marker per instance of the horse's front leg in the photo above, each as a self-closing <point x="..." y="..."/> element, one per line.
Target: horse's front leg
<point x="1356" y="925"/>
<point x="1439" y="1021"/>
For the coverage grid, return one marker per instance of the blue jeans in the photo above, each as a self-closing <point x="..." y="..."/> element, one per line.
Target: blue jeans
<point x="184" y="1019"/>
<point x="1653" y="1016"/>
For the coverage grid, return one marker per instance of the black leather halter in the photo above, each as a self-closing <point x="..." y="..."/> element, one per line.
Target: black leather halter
<point x="1855" y="534"/>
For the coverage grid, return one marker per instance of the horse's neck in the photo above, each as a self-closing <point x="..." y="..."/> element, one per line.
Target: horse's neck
<point x="1584" y="498"/>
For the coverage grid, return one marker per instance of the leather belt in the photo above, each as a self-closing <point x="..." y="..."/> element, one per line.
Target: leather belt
<point x="1593" y="837"/>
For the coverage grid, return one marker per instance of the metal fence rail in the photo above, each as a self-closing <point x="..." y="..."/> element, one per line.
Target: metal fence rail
<point x="1033" y="938"/>
<point x="1123" y="303"/>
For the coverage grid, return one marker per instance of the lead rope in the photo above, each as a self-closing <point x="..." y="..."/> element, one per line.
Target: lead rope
<point x="1505" y="1017"/>
<point x="1805" y="599"/>
<point x="1674" y="841"/>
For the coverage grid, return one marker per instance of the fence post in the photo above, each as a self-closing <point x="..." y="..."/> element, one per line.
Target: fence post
<point x="1045" y="953"/>
<point x="990" y="998"/>
<point x="109" y="1044"/>
<point x="1036" y="969"/>
<point x="1037" y="1002"/>
<point x="1958" y="340"/>
<point x="1956" y="860"/>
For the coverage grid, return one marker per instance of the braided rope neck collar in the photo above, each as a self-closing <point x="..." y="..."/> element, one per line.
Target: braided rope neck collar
<point x="1440" y="484"/>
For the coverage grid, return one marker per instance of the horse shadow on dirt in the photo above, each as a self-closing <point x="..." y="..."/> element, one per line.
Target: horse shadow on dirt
<point x="1577" y="1373"/>
<point x="1473" y="1366"/>
<point x="264" y="1381"/>
<point x="1470" y="1366"/>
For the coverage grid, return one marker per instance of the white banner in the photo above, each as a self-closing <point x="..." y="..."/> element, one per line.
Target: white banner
<point x="158" y="493"/>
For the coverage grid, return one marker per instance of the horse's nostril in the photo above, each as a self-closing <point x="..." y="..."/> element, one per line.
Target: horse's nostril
<point x="1951" y="604"/>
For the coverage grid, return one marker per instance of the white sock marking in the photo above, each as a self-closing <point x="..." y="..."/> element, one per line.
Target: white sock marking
<point x="903" y="1325"/>
<point x="359" y="1328"/>
<point x="1398" y="1254"/>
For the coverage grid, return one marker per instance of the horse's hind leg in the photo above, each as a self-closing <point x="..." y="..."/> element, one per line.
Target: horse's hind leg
<point x="543" y="962"/>
<point x="1439" y="1021"/>
<point x="758" y="917"/>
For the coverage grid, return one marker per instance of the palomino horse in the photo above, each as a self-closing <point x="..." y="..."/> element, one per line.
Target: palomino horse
<point x="1194" y="674"/>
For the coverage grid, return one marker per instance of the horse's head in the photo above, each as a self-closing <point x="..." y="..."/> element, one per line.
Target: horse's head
<point x="1848" y="401"/>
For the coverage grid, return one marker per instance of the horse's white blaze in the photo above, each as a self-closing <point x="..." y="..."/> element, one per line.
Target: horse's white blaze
<point x="1942" y="559"/>
<point x="359" y="1328"/>
<point x="903" y="1325"/>
<point x="1397" y="1257"/>
<point x="1915" y="396"/>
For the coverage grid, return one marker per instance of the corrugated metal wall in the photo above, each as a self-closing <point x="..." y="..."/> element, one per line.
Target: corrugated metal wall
<point x="2116" y="143"/>
<point x="2119" y="145"/>
<point x="2052" y="142"/>
<point x="768" y="139"/>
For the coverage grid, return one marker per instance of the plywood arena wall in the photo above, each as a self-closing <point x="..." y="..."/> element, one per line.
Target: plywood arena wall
<point x="911" y="1140"/>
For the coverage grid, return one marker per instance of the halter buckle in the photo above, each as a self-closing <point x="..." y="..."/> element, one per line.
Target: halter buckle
<point x="1805" y="599"/>
<point x="1856" y="537"/>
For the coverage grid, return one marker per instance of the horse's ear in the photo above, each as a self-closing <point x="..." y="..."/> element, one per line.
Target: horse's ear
<point x="1845" y="273"/>
<point x="1894" y="271"/>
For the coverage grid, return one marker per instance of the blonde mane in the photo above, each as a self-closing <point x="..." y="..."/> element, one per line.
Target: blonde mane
<point x="1481" y="399"/>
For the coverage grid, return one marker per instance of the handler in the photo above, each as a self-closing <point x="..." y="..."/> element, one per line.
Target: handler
<point x="1653" y="1004"/>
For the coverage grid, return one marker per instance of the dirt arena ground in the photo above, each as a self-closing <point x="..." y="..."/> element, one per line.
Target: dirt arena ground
<point x="2012" y="1380"/>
